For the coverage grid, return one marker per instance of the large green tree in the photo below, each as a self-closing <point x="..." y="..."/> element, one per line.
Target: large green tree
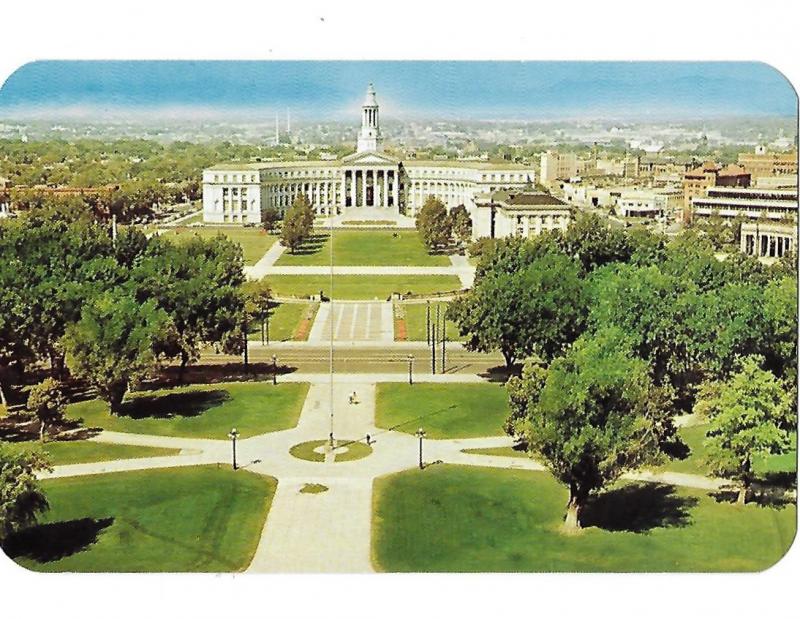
<point x="297" y="223"/>
<point x="47" y="404"/>
<point x="21" y="496"/>
<point x="434" y="224"/>
<point x="113" y="345"/>
<point x="198" y="284"/>
<point x="751" y="415"/>
<point x="590" y="418"/>
<point x="461" y="224"/>
<point x="539" y="309"/>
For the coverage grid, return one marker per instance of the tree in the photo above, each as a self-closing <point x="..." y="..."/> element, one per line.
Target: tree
<point x="588" y="421"/>
<point x="47" y="403"/>
<point x="112" y="345"/>
<point x="461" y="224"/>
<point x="258" y="302"/>
<point x="270" y="216"/>
<point x="539" y="309"/>
<point x="434" y="224"/>
<point x="297" y="223"/>
<point x="750" y="415"/>
<point x="198" y="284"/>
<point x="780" y="314"/>
<point x="21" y="496"/>
<point x="594" y="243"/>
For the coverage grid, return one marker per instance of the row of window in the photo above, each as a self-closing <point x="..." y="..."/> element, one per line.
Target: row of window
<point x="331" y="173"/>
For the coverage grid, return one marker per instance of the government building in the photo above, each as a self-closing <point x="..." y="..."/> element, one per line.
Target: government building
<point x="368" y="184"/>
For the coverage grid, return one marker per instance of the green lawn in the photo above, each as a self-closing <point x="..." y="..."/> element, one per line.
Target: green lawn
<point x="282" y="323"/>
<point x="364" y="247"/>
<point x="359" y="287"/>
<point x="195" y="519"/>
<point x="443" y="410"/>
<point x="472" y="519"/>
<point x="79" y="452"/>
<point x="415" y="316"/>
<point x="201" y="411"/>
<point x="695" y="462"/>
<point x="254" y="241"/>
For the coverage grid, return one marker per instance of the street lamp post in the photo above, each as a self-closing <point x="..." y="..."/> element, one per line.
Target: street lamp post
<point x="410" y="368"/>
<point x="274" y="369"/>
<point x="428" y="321"/>
<point x="233" y="435"/>
<point x="433" y="348"/>
<point x="420" y="435"/>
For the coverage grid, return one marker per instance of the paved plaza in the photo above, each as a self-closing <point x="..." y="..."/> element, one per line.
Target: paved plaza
<point x="330" y="531"/>
<point x="353" y="322"/>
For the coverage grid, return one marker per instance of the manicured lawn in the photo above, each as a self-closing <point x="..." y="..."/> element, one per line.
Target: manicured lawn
<point x="282" y="323"/>
<point x="472" y="519"/>
<point x="415" y="317"/>
<point x="195" y="519"/>
<point x="360" y="287"/>
<point x="695" y="462"/>
<point x="78" y="452"/>
<point x="201" y="411"/>
<point x="444" y="410"/>
<point x="364" y="248"/>
<point x="254" y="241"/>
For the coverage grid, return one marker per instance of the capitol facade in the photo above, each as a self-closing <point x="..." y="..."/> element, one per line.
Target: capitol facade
<point x="368" y="184"/>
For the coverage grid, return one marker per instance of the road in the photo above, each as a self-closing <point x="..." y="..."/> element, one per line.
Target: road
<point x="368" y="359"/>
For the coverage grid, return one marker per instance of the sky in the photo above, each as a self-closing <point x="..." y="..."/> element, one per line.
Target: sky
<point x="447" y="90"/>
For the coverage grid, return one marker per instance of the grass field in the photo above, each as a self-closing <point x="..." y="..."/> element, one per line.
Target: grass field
<point x="254" y="241"/>
<point x="472" y="519"/>
<point x="415" y="321"/>
<point x="444" y="411"/>
<point x="695" y="462"/>
<point x="195" y="519"/>
<point x="364" y="248"/>
<point x="201" y="411"/>
<point x="282" y="323"/>
<point x="360" y="287"/>
<point x="79" y="452"/>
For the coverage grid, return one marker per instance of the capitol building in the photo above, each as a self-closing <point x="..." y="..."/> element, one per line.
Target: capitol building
<point x="367" y="184"/>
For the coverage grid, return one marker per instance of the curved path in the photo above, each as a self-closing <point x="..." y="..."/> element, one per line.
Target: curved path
<point x="330" y="531"/>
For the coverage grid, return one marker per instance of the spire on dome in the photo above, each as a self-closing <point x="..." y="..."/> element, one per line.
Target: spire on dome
<point x="370" y="99"/>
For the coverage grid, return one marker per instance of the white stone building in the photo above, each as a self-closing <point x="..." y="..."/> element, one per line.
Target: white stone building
<point x="526" y="214"/>
<point x="768" y="240"/>
<point x="366" y="184"/>
<point x="652" y="203"/>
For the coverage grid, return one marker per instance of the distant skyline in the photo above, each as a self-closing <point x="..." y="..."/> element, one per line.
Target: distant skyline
<point x="319" y="91"/>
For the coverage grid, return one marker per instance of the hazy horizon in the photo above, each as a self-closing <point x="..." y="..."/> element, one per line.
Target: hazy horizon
<point x="253" y="91"/>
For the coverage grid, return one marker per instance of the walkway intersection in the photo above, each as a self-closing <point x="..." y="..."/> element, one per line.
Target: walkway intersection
<point x="330" y="531"/>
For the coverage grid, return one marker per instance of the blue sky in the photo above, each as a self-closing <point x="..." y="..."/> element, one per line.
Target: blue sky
<point x="333" y="90"/>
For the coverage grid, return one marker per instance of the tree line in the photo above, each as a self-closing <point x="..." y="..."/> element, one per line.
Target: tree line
<point x="611" y="333"/>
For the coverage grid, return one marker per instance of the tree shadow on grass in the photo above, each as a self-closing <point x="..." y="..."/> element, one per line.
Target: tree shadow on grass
<point x="312" y="245"/>
<point x="638" y="508"/>
<point x="183" y="404"/>
<point x="50" y="542"/>
<point x="776" y="490"/>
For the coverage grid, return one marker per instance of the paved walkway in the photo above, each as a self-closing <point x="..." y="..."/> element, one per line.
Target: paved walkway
<point x="354" y="323"/>
<point x="329" y="531"/>
<point x="262" y="267"/>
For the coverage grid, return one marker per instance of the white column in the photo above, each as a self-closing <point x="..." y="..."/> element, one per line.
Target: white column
<point x="342" y="196"/>
<point x="385" y="193"/>
<point x="363" y="188"/>
<point x="352" y="188"/>
<point x="396" y="191"/>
